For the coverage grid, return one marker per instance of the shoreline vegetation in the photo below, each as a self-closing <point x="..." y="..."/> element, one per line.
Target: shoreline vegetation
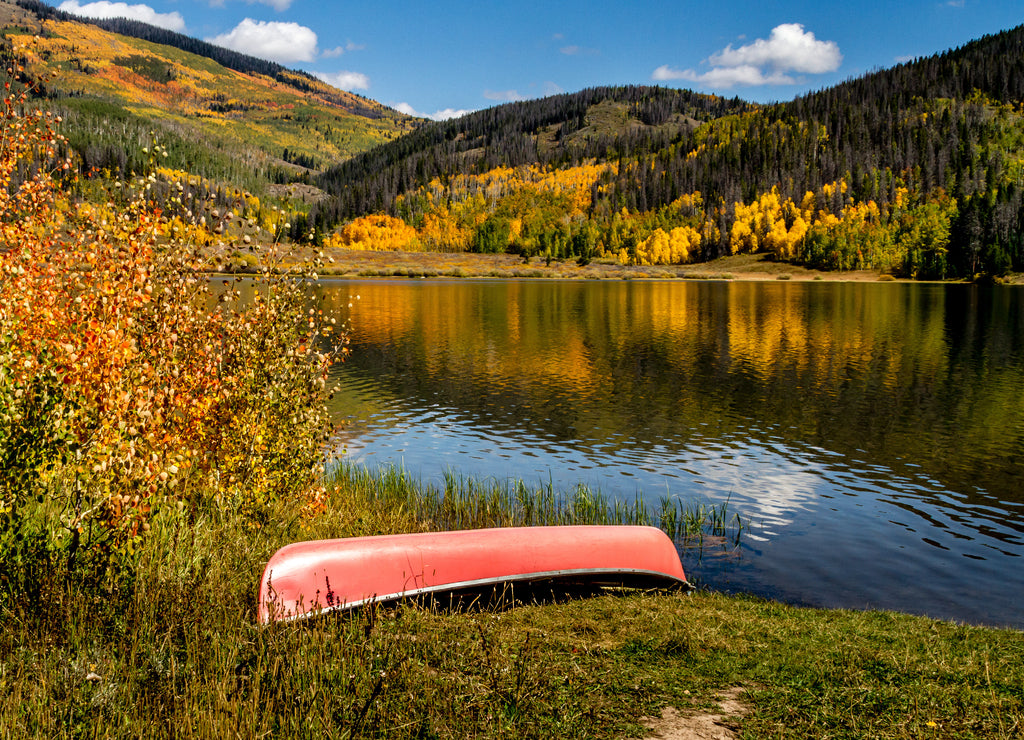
<point x="174" y="649"/>
<point x="351" y="263"/>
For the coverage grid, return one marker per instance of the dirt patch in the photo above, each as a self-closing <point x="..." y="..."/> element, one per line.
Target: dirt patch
<point x="297" y="191"/>
<point x="699" y="725"/>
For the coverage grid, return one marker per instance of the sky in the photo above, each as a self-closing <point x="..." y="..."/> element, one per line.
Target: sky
<point x="447" y="57"/>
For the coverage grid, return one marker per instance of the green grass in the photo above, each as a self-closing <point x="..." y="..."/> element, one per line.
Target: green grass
<point x="172" y="649"/>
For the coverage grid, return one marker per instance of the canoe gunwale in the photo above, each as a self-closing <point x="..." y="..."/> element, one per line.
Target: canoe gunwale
<point x="632" y="578"/>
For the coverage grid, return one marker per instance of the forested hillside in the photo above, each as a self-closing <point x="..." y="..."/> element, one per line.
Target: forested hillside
<point x="221" y="119"/>
<point x="228" y="58"/>
<point x="914" y="170"/>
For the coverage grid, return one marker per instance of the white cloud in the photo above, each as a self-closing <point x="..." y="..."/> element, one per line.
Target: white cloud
<point x="665" y="72"/>
<point x="789" y="48"/>
<point x="337" y="51"/>
<point x="143" y="13"/>
<point x="277" y="41"/>
<point x="552" y="88"/>
<point x="345" y="80"/>
<point x="441" y="115"/>
<point x="505" y="96"/>
<point x="745" y="75"/>
<point x="278" y="5"/>
<point x="575" y="51"/>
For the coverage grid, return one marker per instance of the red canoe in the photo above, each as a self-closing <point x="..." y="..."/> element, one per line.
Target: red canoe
<point x="308" y="578"/>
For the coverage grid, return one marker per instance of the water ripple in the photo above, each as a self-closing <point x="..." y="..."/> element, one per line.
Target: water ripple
<point x="876" y="453"/>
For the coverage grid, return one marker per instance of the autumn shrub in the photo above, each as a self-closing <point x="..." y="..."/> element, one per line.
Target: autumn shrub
<point x="132" y="382"/>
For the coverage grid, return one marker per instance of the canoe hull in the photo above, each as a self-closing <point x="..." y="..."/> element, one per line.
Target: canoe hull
<point x="308" y="578"/>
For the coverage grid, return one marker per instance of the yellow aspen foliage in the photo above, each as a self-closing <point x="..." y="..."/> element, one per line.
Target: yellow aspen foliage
<point x="574" y="181"/>
<point x="691" y="202"/>
<point x="523" y="195"/>
<point x="741" y="236"/>
<point x="771" y="223"/>
<point x="682" y="241"/>
<point x="667" y="248"/>
<point x="441" y="233"/>
<point x="901" y="197"/>
<point x="377" y="233"/>
<point x="653" y="250"/>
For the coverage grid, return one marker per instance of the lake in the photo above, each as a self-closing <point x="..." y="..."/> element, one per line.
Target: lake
<point x="871" y="434"/>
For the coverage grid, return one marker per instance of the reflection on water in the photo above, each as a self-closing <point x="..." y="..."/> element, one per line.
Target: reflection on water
<point x="872" y="433"/>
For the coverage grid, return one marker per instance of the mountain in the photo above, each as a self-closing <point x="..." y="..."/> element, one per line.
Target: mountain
<point x="598" y="124"/>
<point x="915" y="170"/>
<point x="122" y="86"/>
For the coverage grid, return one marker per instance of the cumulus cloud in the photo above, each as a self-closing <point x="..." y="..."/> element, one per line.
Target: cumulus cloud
<point x="273" y="40"/>
<point x="504" y="96"/>
<point x="278" y="5"/>
<point x="744" y="75"/>
<point x="144" y="13"/>
<point x="345" y="80"/>
<point x="788" y="48"/>
<point x="337" y="51"/>
<point x="769" y="61"/>
<point x="441" y="115"/>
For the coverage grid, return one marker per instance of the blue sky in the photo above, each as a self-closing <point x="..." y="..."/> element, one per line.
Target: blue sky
<point x="445" y="57"/>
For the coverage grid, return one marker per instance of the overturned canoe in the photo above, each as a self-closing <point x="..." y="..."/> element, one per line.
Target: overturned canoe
<point x="308" y="578"/>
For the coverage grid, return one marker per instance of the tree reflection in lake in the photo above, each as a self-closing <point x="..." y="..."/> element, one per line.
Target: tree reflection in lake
<point x="872" y="433"/>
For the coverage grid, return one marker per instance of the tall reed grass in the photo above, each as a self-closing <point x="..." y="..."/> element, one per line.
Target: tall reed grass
<point x="462" y="502"/>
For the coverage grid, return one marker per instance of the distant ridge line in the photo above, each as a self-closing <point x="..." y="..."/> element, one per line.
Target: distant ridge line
<point x="234" y="60"/>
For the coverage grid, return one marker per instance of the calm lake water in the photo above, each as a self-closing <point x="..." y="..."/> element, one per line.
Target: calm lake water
<point x="871" y="434"/>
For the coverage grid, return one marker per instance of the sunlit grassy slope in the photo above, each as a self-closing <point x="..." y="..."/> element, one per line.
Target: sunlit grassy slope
<point x="249" y="118"/>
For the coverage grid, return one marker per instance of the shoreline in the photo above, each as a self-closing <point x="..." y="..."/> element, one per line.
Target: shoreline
<point x="344" y="263"/>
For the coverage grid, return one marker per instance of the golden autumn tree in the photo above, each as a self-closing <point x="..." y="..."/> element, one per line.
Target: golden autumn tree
<point x="666" y="248"/>
<point x="129" y="382"/>
<point x="378" y="233"/>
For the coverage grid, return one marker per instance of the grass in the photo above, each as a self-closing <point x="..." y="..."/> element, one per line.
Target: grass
<point x="172" y="649"/>
<point x="434" y="264"/>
